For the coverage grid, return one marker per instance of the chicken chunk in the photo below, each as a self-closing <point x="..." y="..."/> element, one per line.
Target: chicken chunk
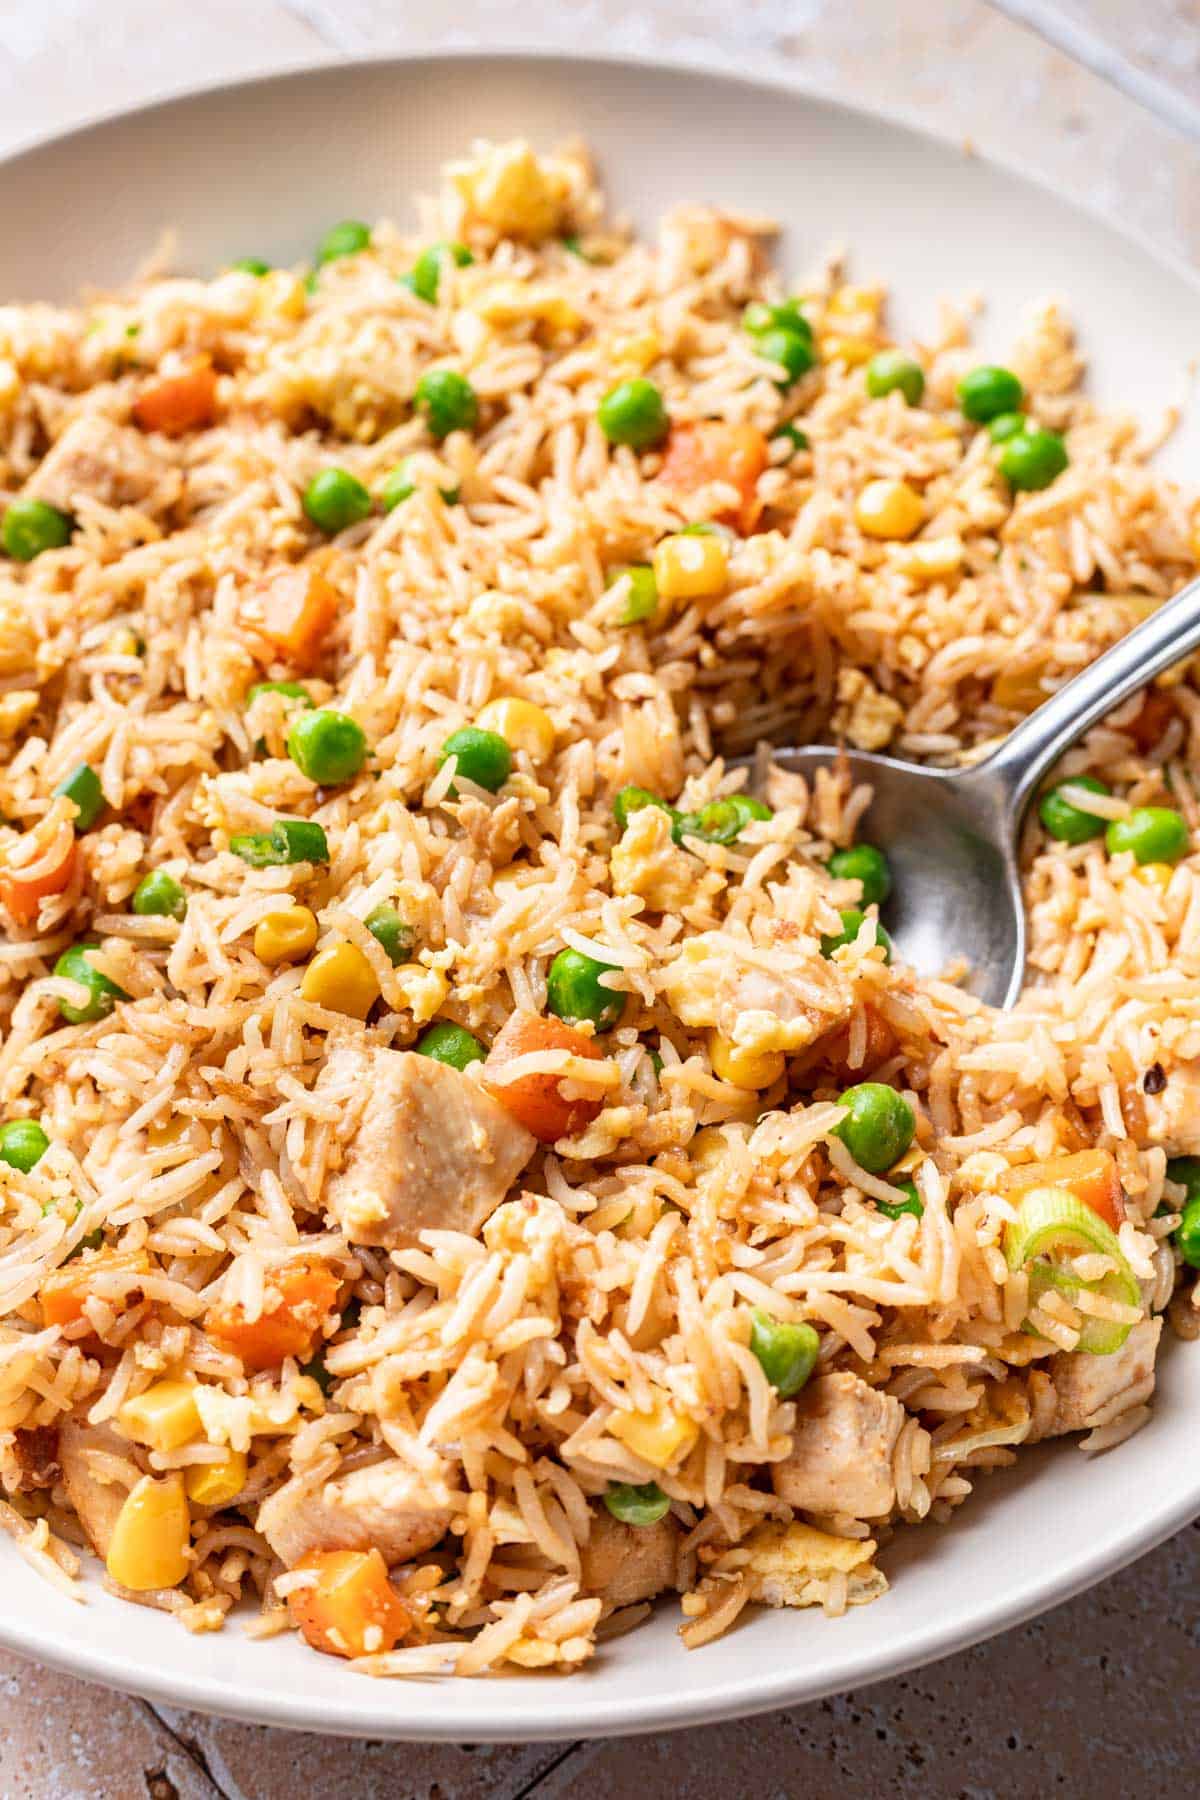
<point x="387" y="1506"/>
<point x="1087" y="1386"/>
<point x="425" y="1147"/>
<point x="96" y="1502"/>
<point x="624" y="1563"/>
<point x="99" y="460"/>
<point x="841" y="1455"/>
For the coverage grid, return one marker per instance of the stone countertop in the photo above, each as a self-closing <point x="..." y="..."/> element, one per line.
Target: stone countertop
<point x="1091" y="1698"/>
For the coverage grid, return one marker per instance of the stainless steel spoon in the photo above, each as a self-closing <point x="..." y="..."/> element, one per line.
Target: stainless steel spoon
<point x="951" y="835"/>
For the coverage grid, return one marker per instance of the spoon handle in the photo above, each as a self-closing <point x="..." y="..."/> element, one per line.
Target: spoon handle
<point x="1165" y="638"/>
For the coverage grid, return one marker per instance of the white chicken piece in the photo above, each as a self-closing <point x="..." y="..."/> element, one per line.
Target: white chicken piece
<point x="425" y="1147"/>
<point x="647" y="862"/>
<point x="775" y="998"/>
<point x="841" y="1455"/>
<point x="96" y="459"/>
<point x="790" y="1564"/>
<point x="387" y="1506"/>
<point x="96" y="1502"/>
<point x="1087" y="1386"/>
<point x="627" y="1563"/>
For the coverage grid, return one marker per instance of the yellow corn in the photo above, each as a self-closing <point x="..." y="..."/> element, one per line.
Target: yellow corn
<point x="522" y="725"/>
<point x="636" y="352"/>
<point x="838" y="346"/>
<point x="691" y="567"/>
<point x="708" y="1149"/>
<point x="1154" y="875"/>
<point x="163" y="1417"/>
<point x="888" y="509"/>
<point x="851" y="302"/>
<point x="217" y="1483"/>
<point x="342" y="980"/>
<point x="932" y="559"/>
<point x="123" y="642"/>
<point x="150" y="1540"/>
<point x="285" y="936"/>
<point x="741" y="1067"/>
<point x="661" y="1437"/>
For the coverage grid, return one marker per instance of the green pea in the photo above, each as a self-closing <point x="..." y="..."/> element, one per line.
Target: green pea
<point x="102" y="994"/>
<point x="451" y="1044"/>
<point x="912" y="1204"/>
<point x="483" y="757"/>
<point x="1033" y="458"/>
<point x="892" y="369"/>
<point x="399" y="485"/>
<point x="251" y="265"/>
<point x="318" y="1372"/>
<point x="1185" y="1172"/>
<point x="793" y="436"/>
<point x="852" y="923"/>
<point x="82" y="786"/>
<point x="641" y="602"/>
<point x="721" y="821"/>
<point x="335" y="499"/>
<point x="288" y="841"/>
<point x="1187" y="1234"/>
<point x="31" y="526"/>
<point x="878" y="1127"/>
<point x="327" y="746"/>
<point x="23" y="1144"/>
<point x="634" y="1505"/>
<point x="91" y="1240"/>
<point x="865" y="864"/>
<point x="775" y="315"/>
<point x="386" y="925"/>
<point x="159" y="894"/>
<point x="1005" y="425"/>
<point x="573" y="990"/>
<point x="793" y="353"/>
<point x="1070" y="824"/>
<point x="426" y="274"/>
<point x="447" y="402"/>
<point x="346" y="239"/>
<point x="290" y="690"/>
<point x="787" y="1354"/>
<point x="634" y="413"/>
<point x="631" y="799"/>
<point x="1153" y="833"/>
<point x="987" y="391"/>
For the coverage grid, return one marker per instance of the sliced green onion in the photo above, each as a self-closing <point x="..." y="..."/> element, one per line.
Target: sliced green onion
<point x="1051" y="1219"/>
<point x="82" y="786"/>
<point x="288" y="841"/>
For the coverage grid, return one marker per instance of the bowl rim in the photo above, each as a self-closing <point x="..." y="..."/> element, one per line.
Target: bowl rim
<point x="566" y="1711"/>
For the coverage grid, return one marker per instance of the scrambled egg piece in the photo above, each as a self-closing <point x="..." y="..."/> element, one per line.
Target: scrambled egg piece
<point x="867" y="717"/>
<point x="790" y="1564"/>
<point x="515" y="192"/>
<point x="234" y="1419"/>
<point x="503" y="303"/>
<point x="752" y="996"/>
<point x="648" y="862"/>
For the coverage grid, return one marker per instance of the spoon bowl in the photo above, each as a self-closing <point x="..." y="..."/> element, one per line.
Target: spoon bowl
<point x="951" y="835"/>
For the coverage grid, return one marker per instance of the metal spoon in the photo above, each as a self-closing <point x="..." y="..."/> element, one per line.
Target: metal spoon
<point x="951" y="835"/>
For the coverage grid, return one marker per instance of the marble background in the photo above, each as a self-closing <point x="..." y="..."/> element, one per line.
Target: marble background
<point x="1095" y="1698"/>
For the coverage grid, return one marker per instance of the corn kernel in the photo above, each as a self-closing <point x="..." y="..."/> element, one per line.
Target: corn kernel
<point x="285" y="936"/>
<point x="342" y="980"/>
<point x="741" y="1067"/>
<point x="888" y="509"/>
<point x="661" y="1436"/>
<point x="150" y="1540"/>
<point x="691" y="567"/>
<point x="853" y="351"/>
<point x="850" y="302"/>
<point x="164" y="1417"/>
<point x="636" y="352"/>
<point x="522" y="725"/>
<point x="708" y="1149"/>
<point x="933" y="559"/>
<point x="1154" y="875"/>
<point x="217" y="1483"/>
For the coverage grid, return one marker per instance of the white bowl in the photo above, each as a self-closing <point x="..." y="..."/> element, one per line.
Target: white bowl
<point x="262" y="169"/>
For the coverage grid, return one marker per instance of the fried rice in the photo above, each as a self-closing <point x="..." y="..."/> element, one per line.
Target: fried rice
<point x="458" y="1364"/>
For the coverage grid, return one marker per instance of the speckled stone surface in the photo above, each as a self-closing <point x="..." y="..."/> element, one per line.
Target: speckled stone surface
<point x="1093" y="1699"/>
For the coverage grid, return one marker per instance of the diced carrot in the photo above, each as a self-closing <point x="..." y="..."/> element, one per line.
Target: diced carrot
<point x="298" y="1298"/>
<point x="297" y="610"/>
<point x="1155" y="714"/>
<point x="23" y="894"/>
<point x="353" y="1609"/>
<point x="712" y="450"/>
<point x="536" y="1101"/>
<point x="1091" y="1175"/>
<point x="65" y="1290"/>
<point x="178" y="404"/>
